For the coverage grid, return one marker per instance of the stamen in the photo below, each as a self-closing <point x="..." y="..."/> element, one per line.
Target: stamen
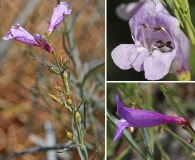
<point x="168" y="44"/>
<point x="153" y="47"/>
<point x="162" y="44"/>
<point x="158" y="28"/>
<point x="144" y="27"/>
<point x="160" y="41"/>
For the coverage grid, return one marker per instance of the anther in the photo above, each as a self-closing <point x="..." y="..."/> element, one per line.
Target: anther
<point x="145" y="27"/>
<point x="168" y="44"/>
<point x="162" y="44"/>
<point x="158" y="28"/>
<point x="160" y="41"/>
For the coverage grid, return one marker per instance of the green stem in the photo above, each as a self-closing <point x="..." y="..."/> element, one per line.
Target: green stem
<point x="66" y="86"/>
<point x="168" y="96"/>
<point x="54" y="55"/>
<point x="177" y="137"/>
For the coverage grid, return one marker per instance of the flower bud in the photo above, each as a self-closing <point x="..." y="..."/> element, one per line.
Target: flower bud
<point x="65" y="75"/>
<point x="59" y="89"/>
<point x="66" y="63"/>
<point x="69" y="101"/>
<point x="53" y="70"/>
<point x="55" y="99"/>
<point x="69" y="135"/>
<point x="78" y="117"/>
<point x="183" y="76"/>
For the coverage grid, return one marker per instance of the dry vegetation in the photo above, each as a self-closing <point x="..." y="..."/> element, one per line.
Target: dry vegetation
<point x="19" y="116"/>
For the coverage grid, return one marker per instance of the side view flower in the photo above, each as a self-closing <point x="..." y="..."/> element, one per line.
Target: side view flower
<point x="142" y="118"/>
<point x="157" y="49"/>
<point x="58" y="14"/>
<point x="20" y="34"/>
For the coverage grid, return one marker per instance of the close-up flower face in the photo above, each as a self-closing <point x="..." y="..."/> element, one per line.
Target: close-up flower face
<point x="157" y="49"/>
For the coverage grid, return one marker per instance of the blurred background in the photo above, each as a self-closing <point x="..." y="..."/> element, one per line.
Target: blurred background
<point x="24" y="109"/>
<point x="149" y="96"/>
<point x="118" y="32"/>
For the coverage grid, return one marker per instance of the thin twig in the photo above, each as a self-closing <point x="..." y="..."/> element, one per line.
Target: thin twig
<point x="38" y="149"/>
<point x="78" y="13"/>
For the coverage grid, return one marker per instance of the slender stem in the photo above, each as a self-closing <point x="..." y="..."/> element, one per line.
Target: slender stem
<point x="167" y="94"/>
<point x="54" y="55"/>
<point x="66" y="86"/>
<point x="77" y="127"/>
<point x="38" y="149"/>
<point x="178" y="137"/>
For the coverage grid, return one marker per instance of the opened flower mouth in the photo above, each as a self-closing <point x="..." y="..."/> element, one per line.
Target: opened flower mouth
<point x="157" y="49"/>
<point x="162" y="43"/>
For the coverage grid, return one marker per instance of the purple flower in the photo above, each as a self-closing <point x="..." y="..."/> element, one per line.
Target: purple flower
<point x="21" y="35"/>
<point x="58" y="14"/>
<point x="141" y="118"/>
<point x="158" y="39"/>
<point x="43" y="43"/>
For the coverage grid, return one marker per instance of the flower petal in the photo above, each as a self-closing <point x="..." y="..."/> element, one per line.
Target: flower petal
<point x="121" y="125"/>
<point x="58" y="14"/>
<point x="126" y="11"/>
<point x="43" y="43"/>
<point x="160" y="7"/>
<point x="145" y="15"/>
<point x="20" y="34"/>
<point x="139" y="61"/>
<point x="158" y="64"/>
<point x="125" y="54"/>
<point x="8" y="36"/>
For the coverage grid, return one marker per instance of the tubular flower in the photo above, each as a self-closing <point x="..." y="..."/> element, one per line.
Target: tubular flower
<point x="141" y="118"/>
<point x="20" y="34"/>
<point x="157" y="49"/>
<point x="58" y="14"/>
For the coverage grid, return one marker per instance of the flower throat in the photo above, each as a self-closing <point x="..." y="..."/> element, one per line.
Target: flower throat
<point x="162" y="45"/>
